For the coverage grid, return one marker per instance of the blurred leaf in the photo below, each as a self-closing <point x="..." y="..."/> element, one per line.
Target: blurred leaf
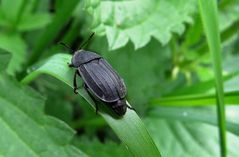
<point x="4" y="59"/>
<point x="228" y="13"/>
<point x="40" y="20"/>
<point x="198" y="114"/>
<point x="129" y="128"/>
<point x="59" y="20"/>
<point x="25" y="130"/>
<point x="138" y="21"/>
<point x="179" y="138"/>
<point x="207" y="87"/>
<point x="196" y="99"/>
<point x="10" y="9"/>
<point x="3" y="21"/>
<point x="14" y="44"/>
<point x="95" y="148"/>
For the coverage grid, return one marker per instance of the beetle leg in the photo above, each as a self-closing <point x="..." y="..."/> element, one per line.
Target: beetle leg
<point x="79" y="75"/>
<point x="131" y="108"/>
<point x="70" y="65"/>
<point x="96" y="106"/>
<point x="75" y="83"/>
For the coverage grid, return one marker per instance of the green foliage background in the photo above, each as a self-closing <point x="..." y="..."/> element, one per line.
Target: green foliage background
<point x="160" y="49"/>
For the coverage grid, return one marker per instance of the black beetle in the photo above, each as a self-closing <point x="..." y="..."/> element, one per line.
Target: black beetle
<point x="101" y="81"/>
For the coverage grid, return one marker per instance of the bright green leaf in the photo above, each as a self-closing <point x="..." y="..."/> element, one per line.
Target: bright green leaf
<point x="139" y="20"/>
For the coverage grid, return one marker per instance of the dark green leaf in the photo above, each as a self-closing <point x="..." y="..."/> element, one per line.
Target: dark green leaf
<point x="25" y="130"/>
<point x="97" y="149"/>
<point x="4" y="60"/>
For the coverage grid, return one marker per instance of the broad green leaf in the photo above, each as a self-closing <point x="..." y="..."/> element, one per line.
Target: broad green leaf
<point x="14" y="44"/>
<point x="129" y="128"/>
<point x="4" y="60"/>
<point x="139" y="20"/>
<point x="26" y="130"/>
<point x="40" y="20"/>
<point x="198" y="114"/>
<point x="189" y="139"/>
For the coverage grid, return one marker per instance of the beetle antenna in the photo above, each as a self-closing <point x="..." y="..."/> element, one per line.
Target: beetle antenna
<point x="87" y="41"/>
<point x="66" y="46"/>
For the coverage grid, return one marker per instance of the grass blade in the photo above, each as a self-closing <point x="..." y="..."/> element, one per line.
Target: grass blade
<point x="195" y="100"/>
<point x="130" y="129"/>
<point x="209" y="14"/>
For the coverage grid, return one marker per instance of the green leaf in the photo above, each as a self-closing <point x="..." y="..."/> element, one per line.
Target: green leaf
<point x="196" y="100"/>
<point x="62" y="15"/>
<point x="13" y="11"/>
<point x="25" y="130"/>
<point x="4" y="60"/>
<point x="130" y="129"/>
<point x="189" y="139"/>
<point x="40" y="20"/>
<point x="207" y="87"/>
<point x="139" y="20"/>
<point x="10" y="9"/>
<point x="101" y="149"/>
<point x="198" y="114"/>
<point x="228" y="13"/>
<point x="209" y="14"/>
<point x="14" y="44"/>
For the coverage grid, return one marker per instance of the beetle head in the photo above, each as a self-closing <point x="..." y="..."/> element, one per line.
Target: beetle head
<point x="120" y="107"/>
<point x="76" y="58"/>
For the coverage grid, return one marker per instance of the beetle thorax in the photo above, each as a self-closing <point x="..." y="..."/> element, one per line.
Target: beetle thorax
<point x="82" y="57"/>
